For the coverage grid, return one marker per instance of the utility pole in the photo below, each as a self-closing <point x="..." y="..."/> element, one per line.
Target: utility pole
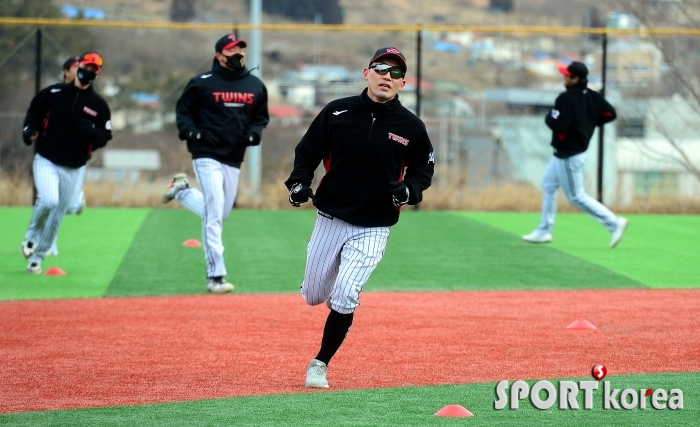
<point x="255" y="152"/>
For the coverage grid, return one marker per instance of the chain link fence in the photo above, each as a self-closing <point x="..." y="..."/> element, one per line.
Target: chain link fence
<point x="482" y="93"/>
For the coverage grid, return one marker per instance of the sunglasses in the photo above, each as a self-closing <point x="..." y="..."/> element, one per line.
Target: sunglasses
<point x="91" y="58"/>
<point x="394" y="72"/>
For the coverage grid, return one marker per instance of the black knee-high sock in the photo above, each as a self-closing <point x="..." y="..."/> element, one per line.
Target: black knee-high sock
<point x="335" y="331"/>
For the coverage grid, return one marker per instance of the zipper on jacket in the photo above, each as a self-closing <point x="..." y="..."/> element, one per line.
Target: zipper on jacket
<point x="371" y="126"/>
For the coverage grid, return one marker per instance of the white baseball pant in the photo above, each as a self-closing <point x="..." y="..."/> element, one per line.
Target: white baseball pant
<point x="213" y="204"/>
<point x="568" y="174"/>
<point x="73" y="208"/>
<point x="56" y="187"/>
<point x="340" y="258"/>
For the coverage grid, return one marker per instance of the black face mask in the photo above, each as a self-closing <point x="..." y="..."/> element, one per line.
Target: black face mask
<point x="86" y="76"/>
<point x="236" y="61"/>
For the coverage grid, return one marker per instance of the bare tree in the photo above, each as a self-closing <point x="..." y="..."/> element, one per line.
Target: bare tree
<point x="682" y="69"/>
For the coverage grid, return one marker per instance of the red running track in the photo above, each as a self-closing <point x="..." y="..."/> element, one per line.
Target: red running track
<point x="60" y="354"/>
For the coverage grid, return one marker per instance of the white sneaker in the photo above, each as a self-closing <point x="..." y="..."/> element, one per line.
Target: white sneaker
<point x="27" y="249"/>
<point x="619" y="231"/>
<point x="218" y="285"/>
<point x="538" y="237"/>
<point x="34" y="268"/>
<point x="316" y="374"/>
<point x="179" y="183"/>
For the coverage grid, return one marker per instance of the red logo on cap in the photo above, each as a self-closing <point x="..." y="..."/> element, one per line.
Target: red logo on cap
<point x="232" y="37"/>
<point x="392" y="50"/>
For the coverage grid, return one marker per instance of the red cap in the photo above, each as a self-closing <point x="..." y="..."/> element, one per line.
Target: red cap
<point x="228" y="41"/>
<point x="91" y="58"/>
<point x="575" y="69"/>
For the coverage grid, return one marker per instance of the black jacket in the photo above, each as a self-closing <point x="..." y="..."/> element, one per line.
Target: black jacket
<point x="574" y="117"/>
<point x="364" y="146"/>
<point x="56" y="113"/>
<point x="226" y="108"/>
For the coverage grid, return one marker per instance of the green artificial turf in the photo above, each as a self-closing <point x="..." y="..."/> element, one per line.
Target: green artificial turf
<point x="660" y="251"/>
<point x="266" y="252"/>
<point x="120" y="252"/>
<point x="91" y="247"/>
<point x="406" y="406"/>
<point x="443" y="251"/>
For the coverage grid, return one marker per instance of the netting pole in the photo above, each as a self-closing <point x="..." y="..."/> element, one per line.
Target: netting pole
<point x="601" y="129"/>
<point x="419" y="42"/>
<point x="255" y="152"/>
<point x="37" y="88"/>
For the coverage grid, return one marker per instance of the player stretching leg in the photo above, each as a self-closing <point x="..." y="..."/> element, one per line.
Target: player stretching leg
<point x="220" y="113"/>
<point x="378" y="157"/>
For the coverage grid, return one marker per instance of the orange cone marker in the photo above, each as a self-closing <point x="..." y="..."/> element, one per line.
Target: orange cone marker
<point x="453" y="411"/>
<point x="54" y="271"/>
<point x="192" y="243"/>
<point x="581" y="325"/>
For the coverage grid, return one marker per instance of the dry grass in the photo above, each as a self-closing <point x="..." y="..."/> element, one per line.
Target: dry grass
<point x="509" y="197"/>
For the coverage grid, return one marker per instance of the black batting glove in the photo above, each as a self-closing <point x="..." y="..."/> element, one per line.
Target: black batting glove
<point x="87" y="129"/>
<point x="399" y="193"/>
<point x="199" y="136"/>
<point x="300" y="193"/>
<point x="28" y="135"/>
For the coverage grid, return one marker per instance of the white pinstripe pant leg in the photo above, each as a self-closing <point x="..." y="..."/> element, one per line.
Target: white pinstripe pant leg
<point x="79" y="197"/>
<point x="323" y="259"/>
<point x="56" y="186"/>
<point x="192" y="198"/>
<point x="219" y="184"/>
<point x="74" y="205"/>
<point x="46" y="182"/>
<point x="340" y="259"/>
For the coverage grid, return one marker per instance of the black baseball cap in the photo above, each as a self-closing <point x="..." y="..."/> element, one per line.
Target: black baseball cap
<point x="390" y="52"/>
<point x="575" y="69"/>
<point x="70" y="62"/>
<point x="228" y="41"/>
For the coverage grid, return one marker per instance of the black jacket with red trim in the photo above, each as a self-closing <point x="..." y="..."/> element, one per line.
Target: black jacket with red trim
<point x="364" y="145"/>
<point x="226" y="107"/>
<point x="574" y="117"/>
<point x="56" y="113"/>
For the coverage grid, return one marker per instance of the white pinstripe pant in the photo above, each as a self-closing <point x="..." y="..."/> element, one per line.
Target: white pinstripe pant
<point x="568" y="174"/>
<point x="213" y="204"/>
<point x="73" y="208"/>
<point x="340" y="258"/>
<point x="56" y="188"/>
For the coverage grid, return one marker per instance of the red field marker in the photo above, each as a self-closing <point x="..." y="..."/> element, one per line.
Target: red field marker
<point x="55" y="271"/>
<point x="192" y="243"/>
<point x="453" y="411"/>
<point x="581" y="325"/>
